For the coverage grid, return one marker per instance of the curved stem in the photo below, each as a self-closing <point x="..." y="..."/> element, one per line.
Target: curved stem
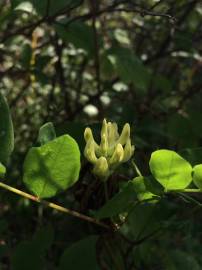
<point x="136" y="168"/>
<point x="54" y="206"/>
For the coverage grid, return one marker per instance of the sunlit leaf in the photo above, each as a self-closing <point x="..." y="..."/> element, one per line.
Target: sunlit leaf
<point x="143" y="187"/>
<point x="53" y="167"/>
<point x="170" y="169"/>
<point x="2" y="170"/>
<point x="197" y="175"/>
<point x="46" y="133"/>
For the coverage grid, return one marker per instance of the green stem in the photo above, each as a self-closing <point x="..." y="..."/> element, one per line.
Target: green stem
<point x="188" y="190"/>
<point x="190" y="199"/>
<point x="136" y="168"/>
<point x="54" y="206"/>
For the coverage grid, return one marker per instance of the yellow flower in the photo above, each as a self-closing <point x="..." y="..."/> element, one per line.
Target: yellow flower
<point x="113" y="150"/>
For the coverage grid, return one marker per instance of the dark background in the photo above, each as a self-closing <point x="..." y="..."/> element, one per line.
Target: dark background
<point x="76" y="62"/>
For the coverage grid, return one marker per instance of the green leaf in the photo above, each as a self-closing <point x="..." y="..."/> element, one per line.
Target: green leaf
<point x="25" y="56"/>
<point x="44" y="7"/>
<point x="143" y="220"/>
<point x="6" y="131"/>
<point x="153" y="186"/>
<point x="33" y="252"/>
<point x="81" y="255"/>
<point x="29" y="254"/>
<point x="179" y="129"/>
<point x="141" y="186"/>
<point x="52" y="167"/>
<point x="170" y="169"/>
<point x="79" y="34"/>
<point x="44" y="238"/>
<point x="179" y="259"/>
<point x="197" y="175"/>
<point x="54" y="6"/>
<point x="46" y="133"/>
<point x="2" y="170"/>
<point x="129" y="67"/>
<point x="121" y="202"/>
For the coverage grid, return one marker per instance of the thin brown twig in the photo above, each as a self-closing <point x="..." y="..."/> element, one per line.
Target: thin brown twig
<point x="54" y="206"/>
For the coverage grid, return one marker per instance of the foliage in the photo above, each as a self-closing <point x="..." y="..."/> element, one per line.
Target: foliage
<point x="65" y="66"/>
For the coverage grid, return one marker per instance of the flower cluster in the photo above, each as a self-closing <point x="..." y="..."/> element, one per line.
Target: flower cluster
<point x="113" y="150"/>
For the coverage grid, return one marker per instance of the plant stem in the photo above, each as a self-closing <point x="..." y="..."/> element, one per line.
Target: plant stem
<point x="190" y="199"/>
<point x="188" y="190"/>
<point x="136" y="168"/>
<point x="54" y="206"/>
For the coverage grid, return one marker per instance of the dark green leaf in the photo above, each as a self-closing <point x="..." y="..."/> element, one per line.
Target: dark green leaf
<point x="193" y="155"/>
<point x="43" y="238"/>
<point x="129" y="67"/>
<point x="143" y="220"/>
<point x="44" y="7"/>
<point x="81" y="255"/>
<point x="121" y="202"/>
<point x="28" y="253"/>
<point x="6" y="131"/>
<point x="79" y="34"/>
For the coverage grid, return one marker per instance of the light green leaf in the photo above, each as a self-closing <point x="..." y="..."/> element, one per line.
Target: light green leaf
<point x="2" y="170"/>
<point x="170" y="169"/>
<point x="81" y="255"/>
<point x="52" y="167"/>
<point x="6" y="131"/>
<point x="197" y="175"/>
<point x="141" y="188"/>
<point x="46" y="133"/>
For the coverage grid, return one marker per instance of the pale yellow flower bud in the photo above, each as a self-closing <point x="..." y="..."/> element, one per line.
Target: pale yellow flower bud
<point x="125" y="134"/>
<point x="128" y="151"/>
<point x="112" y="133"/>
<point x="88" y="135"/>
<point x="117" y="156"/>
<point x="89" y="152"/>
<point x="104" y="145"/>
<point x="112" y="151"/>
<point x="104" y="128"/>
<point x="101" y="168"/>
